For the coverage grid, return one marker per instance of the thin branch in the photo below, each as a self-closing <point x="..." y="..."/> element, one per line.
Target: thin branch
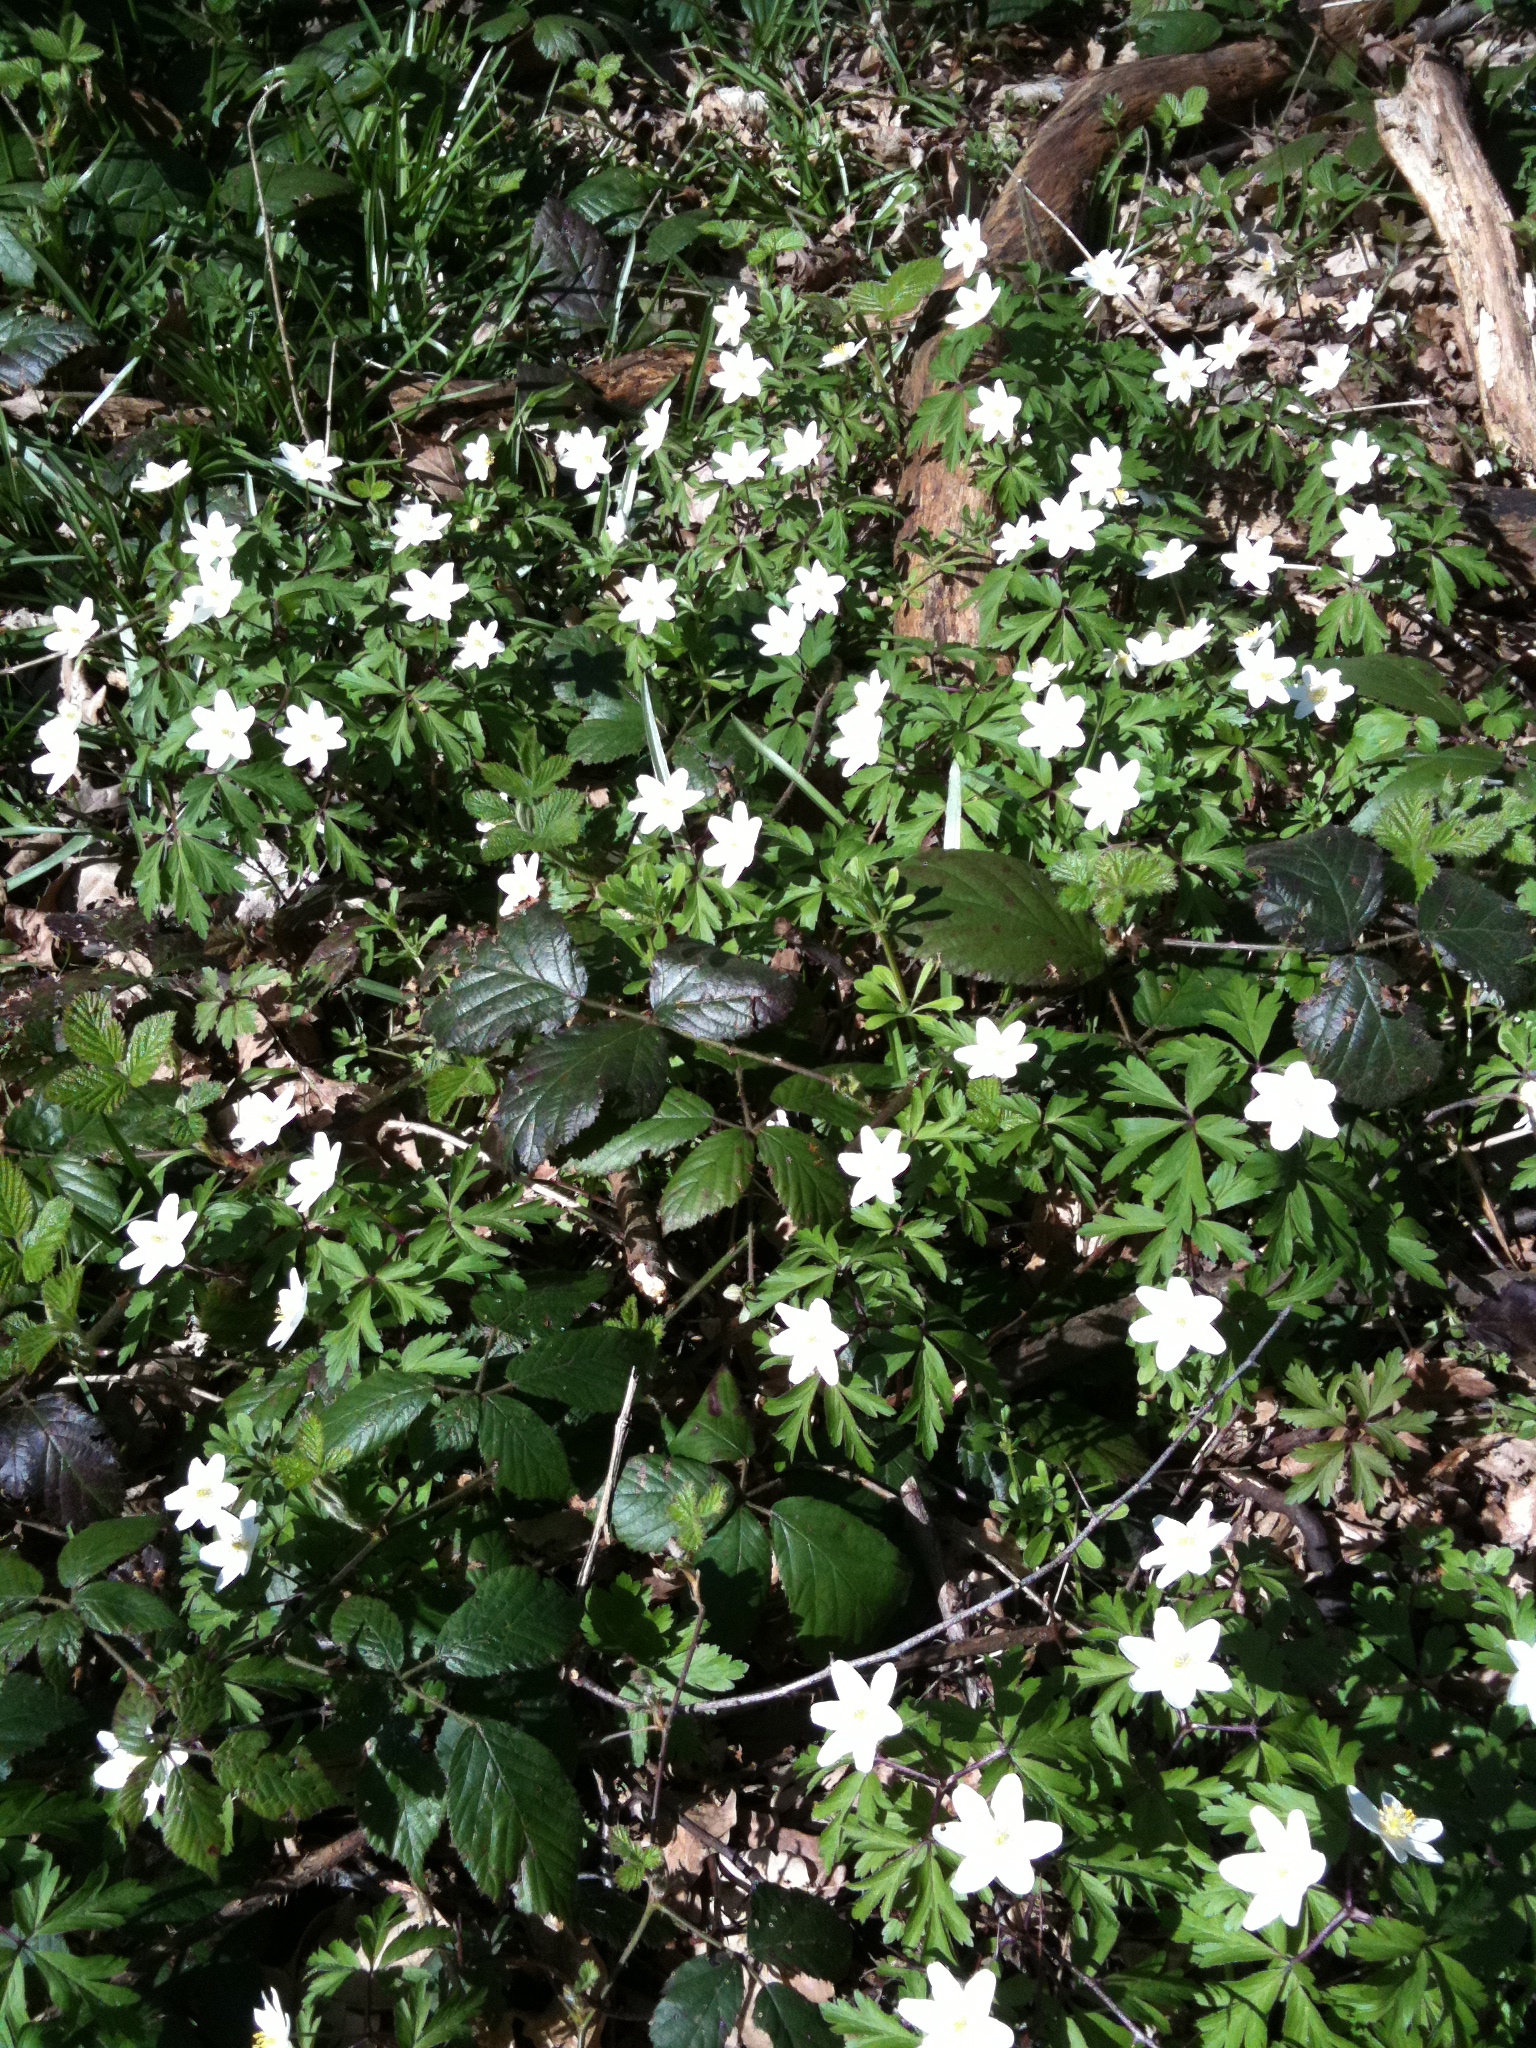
<point x="605" y="1498"/>
<point x="672" y="1705"/>
<point x="1091" y="1984"/>
<point x="266" y="236"/>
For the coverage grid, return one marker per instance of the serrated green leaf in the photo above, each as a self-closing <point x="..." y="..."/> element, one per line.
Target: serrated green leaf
<point x="1318" y="891"/>
<point x="372" y="1412"/>
<point x="996" y="917"/>
<point x="192" y="1819"/>
<point x="699" y="2004"/>
<point x="661" y="1501"/>
<point x="515" y="1620"/>
<point x="898" y="296"/>
<point x="16" y="1203"/>
<point x="558" y="1088"/>
<point x="1404" y="682"/>
<point x="718" y="1430"/>
<point x="1480" y="933"/>
<point x="587" y="1369"/>
<point x="92" y="1033"/>
<point x="528" y="978"/>
<point x="1364" y="1037"/>
<point x="1176" y="32"/>
<point x="120" y="1610"/>
<point x="714" y="1176"/>
<point x="103" y="1545"/>
<point x="150" y="1047"/>
<point x="31" y="1713"/>
<point x="796" y="1933"/>
<point x="805" y="1177"/>
<point x="529" y="1458"/>
<point x="843" y="1580"/>
<point x="706" y="993"/>
<point x="681" y="1118"/>
<point x="508" y="1799"/>
<point x="791" y="2021"/>
<point x="371" y="1629"/>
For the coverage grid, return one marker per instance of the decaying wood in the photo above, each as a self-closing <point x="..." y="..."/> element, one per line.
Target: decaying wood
<point x="1054" y="178"/>
<point x="1511" y="513"/>
<point x="640" y="1237"/>
<point x="1426" y="129"/>
<point x="638" y="379"/>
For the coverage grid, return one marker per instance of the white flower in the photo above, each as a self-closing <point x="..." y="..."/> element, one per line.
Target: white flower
<point x="520" y="886"/>
<point x="816" y="590"/>
<point x="615" y="526"/>
<point x="956" y="2015"/>
<point x="1110" y="274"/>
<point x="1013" y="537"/>
<point x="159" y="1241"/>
<point x="1098" y="473"/>
<point x="1357" y="311"/>
<point x="874" y="1167"/>
<point x="214" y="593"/>
<point x="995" y="1054"/>
<point x="212" y="540"/>
<point x="1365" y="541"/>
<point x="1280" y="1872"/>
<point x="1149" y="651"/>
<point x="185" y="610"/>
<point x="310" y="734"/>
<point x="582" y="453"/>
<point x="1104" y="794"/>
<point x="260" y="1119"/>
<point x="859" y="1719"/>
<point x="223" y="731"/>
<point x="1326" y="371"/>
<point x="1183" y="373"/>
<point x="232" y="1549"/>
<point x="1318" y="693"/>
<point x="1354" y="462"/>
<point x="120" y="1762"/>
<point x="1040" y="673"/>
<point x="995" y="413"/>
<point x="1251" y="636"/>
<point x="314" y="1176"/>
<point x="309" y="464"/>
<point x="1167" y="559"/>
<point x="1184" y="1549"/>
<point x="738" y="464"/>
<point x="273" y="2029"/>
<point x="973" y="302"/>
<point x="162" y="476"/>
<point x="1291" y="1100"/>
<point x="479" y="644"/>
<point x="731" y="317"/>
<point x="857" y="731"/>
<point x="781" y="633"/>
<point x="1234" y="344"/>
<point x="654" y="422"/>
<point x="1184" y="641"/>
<point x="1177" y="1321"/>
<point x="429" y="597"/>
<point x="415" y="524"/>
<point x="73" y="631"/>
<point x="1401" y="1832"/>
<point x="735" y="844"/>
<point x="206" y="1495"/>
<point x="842" y="352"/>
<point x="802" y="445"/>
<point x="1066" y="523"/>
<point x="1052" y="723"/>
<point x="995" y="1843"/>
<point x="740" y="374"/>
<point x="660" y="806"/>
<point x="810" y="1340"/>
<point x="59" y="738"/>
<point x="1252" y="563"/>
<point x="1262" y="674"/>
<point x="1522" y="1687"/>
<point x="647" y="599"/>
<point x="1175" y="1661"/>
<point x="292" y="1306"/>
<point x="477" y="459"/>
<point x="963" y="245"/>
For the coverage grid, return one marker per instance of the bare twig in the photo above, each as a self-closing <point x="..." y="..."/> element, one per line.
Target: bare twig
<point x="605" y="1498"/>
<point x="1091" y="1984"/>
<point x="266" y="237"/>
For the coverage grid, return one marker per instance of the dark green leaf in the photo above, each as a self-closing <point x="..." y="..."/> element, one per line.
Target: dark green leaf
<point x="735" y="1575"/>
<point x="660" y="1501"/>
<point x="898" y="296"/>
<point x="843" y="1580"/>
<point x="372" y="1412"/>
<point x="698" y="2005"/>
<point x="119" y="1610"/>
<point x="192" y="1819"/>
<point x="400" y="1796"/>
<point x="560" y="1086"/>
<point x="103" y="1545"/>
<point x="805" y="1177"/>
<point x="1359" y="1033"/>
<point x="1480" y="933"/>
<point x="31" y="1712"/>
<point x="285" y="188"/>
<point x="798" y="1934"/>
<point x="1318" y="891"/>
<point x="990" y="915"/>
<point x="612" y="191"/>
<point x="681" y="1118"/>
<point x="1405" y="683"/>
<point x="704" y="993"/>
<point x="515" y="1620"/>
<point x="718" y="1429"/>
<point x="507" y="1798"/>
<point x="274" y="1784"/>
<point x="586" y="1369"/>
<point x="18" y="1579"/>
<point x="613" y="730"/>
<point x="372" y="1630"/>
<point x="714" y="1176"/>
<point x="791" y="2021"/>
<point x="572" y="254"/>
<point x="529" y="1458"/>
<point x="1172" y="34"/>
<point x="528" y="978"/>
<point x="31" y="344"/>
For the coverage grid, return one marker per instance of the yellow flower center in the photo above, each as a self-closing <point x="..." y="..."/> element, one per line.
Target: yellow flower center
<point x="1397" y="1820"/>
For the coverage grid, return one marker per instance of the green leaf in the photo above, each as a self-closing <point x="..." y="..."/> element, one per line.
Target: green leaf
<point x="704" y="993"/>
<point x="371" y="1629"/>
<point x="528" y="978"/>
<point x="990" y="915"/>
<point x="804" y="1175"/>
<point x="1318" y="891"/>
<point x="797" y="1933"/>
<point x="681" y="1118"/>
<point x="1405" y="683"/>
<point x="150" y="1047"/>
<point x="17" y="1206"/>
<point x="699" y="2004"/>
<point x="898" y="296"/>
<point x="285" y="188"/>
<point x="274" y="1784"/>
<point x="613" y="730"/>
<point x="611" y="191"/>
<point x="18" y="1579"/>
<point x="515" y="1620"/>
<point x="529" y="1458"/>
<point x="192" y="1819"/>
<point x="663" y="1501"/>
<point x="735" y="1576"/>
<point x="586" y="1369"/>
<point x="559" y="1087"/>
<point x="1364" y="1037"/>
<point x="30" y="1713"/>
<point x="508" y="1799"/>
<point x="373" y="1412"/>
<point x="718" y="1430"/>
<point x="92" y="1033"/>
<point x="791" y="2021"/>
<point x="1176" y="32"/>
<point x="103" y="1545"/>
<point x="843" y="1580"/>
<point x="400" y="1797"/>
<point x="714" y="1176"/>
<point x="32" y="344"/>
<point x="1480" y="933"/>
<point x="120" y="1610"/>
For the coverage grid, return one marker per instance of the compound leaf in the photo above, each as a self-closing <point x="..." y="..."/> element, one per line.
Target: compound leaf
<point x="1478" y="932"/>
<point x="998" y="918"/>
<point x="704" y="993"/>
<point x="1359" y="1034"/>
<point x="1318" y="891"/>
<point x="557" y="1089"/>
<point x="528" y="978"/>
